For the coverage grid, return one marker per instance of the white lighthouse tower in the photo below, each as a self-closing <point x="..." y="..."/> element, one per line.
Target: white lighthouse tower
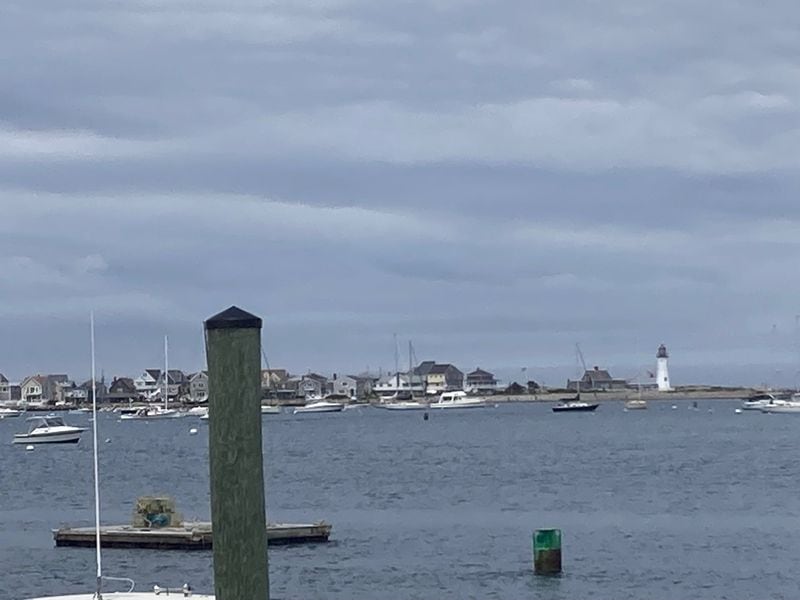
<point x="662" y="372"/>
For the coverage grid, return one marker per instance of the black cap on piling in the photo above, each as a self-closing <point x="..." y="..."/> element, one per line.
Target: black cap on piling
<point x="233" y="318"/>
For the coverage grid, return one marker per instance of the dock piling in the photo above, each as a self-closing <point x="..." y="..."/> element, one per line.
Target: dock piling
<point x="547" y="551"/>
<point x="233" y="350"/>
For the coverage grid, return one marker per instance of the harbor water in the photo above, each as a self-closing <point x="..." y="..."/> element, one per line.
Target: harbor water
<point x="659" y="503"/>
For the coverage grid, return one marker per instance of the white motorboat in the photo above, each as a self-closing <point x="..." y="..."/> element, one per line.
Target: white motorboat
<point x="783" y="407"/>
<point x="320" y="406"/>
<point x="637" y="404"/>
<point x="149" y="413"/>
<point x="450" y="400"/>
<point x="49" y="430"/>
<point x="270" y="409"/>
<point x="403" y="405"/>
<point x="197" y="411"/>
<point x="759" y="401"/>
<point x="7" y="413"/>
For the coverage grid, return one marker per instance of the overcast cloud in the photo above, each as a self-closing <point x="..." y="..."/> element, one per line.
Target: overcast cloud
<point x="494" y="181"/>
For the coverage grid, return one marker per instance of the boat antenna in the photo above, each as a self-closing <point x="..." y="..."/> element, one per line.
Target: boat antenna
<point x="99" y="582"/>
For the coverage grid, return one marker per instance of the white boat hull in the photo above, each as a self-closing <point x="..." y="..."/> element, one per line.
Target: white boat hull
<point x="403" y="406"/>
<point x="63" y="437"/>
<point x="151" y="416"/>
<point x="784" y="409"/>
<point x="319" y="407"/>
<point x="270" y="410"/>
<point x="636" y="405"/>
<point x="456" y="405"/>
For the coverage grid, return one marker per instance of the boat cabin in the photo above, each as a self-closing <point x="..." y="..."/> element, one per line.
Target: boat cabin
<point x="48" y="421"/>
<point x="452" y="396"/>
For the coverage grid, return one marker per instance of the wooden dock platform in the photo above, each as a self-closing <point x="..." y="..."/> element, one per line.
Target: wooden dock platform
<point x="189" y="536"/>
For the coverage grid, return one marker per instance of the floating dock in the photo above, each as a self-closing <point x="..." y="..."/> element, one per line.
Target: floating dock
<point x="189" y="536"/>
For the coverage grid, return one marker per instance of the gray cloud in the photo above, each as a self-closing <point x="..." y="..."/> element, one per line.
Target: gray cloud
<point x="494" y="182"/>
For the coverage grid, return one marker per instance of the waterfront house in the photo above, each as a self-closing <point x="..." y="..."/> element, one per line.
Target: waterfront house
<point x="122" y="389"/>
<point x="313" y="384"/>
<point x="177" y="384"/>
<point x="515" y="389"/>
<point x="33" y="389"/>
<point x="5" y="389"/>
<point x="364" y="385"/>
<point x="272" y="378"/>
<point x="102" y="390"/>
<point x="147" y="383"/>
<point x="598" y="380"/>
<point x="440" y="377"/>
<point x="481" y="382"/>
<point x="342" y="386"/>
<point x="399" y="382"/>
<point x="287" y="390"/>
<point x="198" y="386"/>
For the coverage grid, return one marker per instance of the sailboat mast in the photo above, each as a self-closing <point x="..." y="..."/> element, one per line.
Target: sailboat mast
<point x="99" y="582"/>
<point x="396" y="366"/>
<point x="410" y="385"/>
<point x="166" y="373"/>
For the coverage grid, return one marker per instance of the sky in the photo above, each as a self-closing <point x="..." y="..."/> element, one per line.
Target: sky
<point x="495" y="182"/>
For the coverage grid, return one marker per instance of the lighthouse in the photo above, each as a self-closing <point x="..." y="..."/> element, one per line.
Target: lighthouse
<point x="662" y="373"/>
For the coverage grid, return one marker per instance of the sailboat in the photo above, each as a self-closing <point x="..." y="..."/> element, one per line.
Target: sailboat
<point x="637" y="403"/>
<point x="156" y="412"/>
<point x="575" y="404"/>
<point x="407" y="403"/>
<point x="158" y="592"/>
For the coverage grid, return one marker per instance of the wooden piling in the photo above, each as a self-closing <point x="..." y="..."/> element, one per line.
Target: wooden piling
<point x="233" y="350"/>
<point x="547" y="551"/>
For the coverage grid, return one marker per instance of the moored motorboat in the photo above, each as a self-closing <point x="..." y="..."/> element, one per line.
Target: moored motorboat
<point x="759" y="401"/>
<point x="149" y="413"/>
<point x="575" y="404"/>
<point x="270" y="409"/>
<point x="459" y="399"/>
<point x="7" y="413"/>
<point x="783" y="407"/>
<point x="403" y="405"/>
<point x="319" y="406"/>
<point x="635" y="404"/>
<point x="49" y="429"/>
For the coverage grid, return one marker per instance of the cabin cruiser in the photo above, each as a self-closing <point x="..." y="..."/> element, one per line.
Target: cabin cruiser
<point x="761" y="400"/>
<point x="457" y="400"/>
<point x="150" y="413"/>
<point x="575" y="404"/>
<point x="320" y="406"/>
<point x="779" y="406"/>
<point x="49" y="430"/>
<point x="6" y="413"/>
<point x="636" y="404"/>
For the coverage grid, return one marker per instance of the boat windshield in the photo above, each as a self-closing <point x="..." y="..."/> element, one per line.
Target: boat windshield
<point x="50" y="421"/>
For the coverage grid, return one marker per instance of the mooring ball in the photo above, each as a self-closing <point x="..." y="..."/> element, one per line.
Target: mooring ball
<point x="738" y="411"/>
<point x="192" y="431"/>
<point x="29" y="447"/>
